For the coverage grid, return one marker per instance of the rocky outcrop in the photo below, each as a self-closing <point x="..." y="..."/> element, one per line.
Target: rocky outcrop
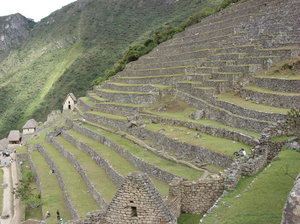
<point x="291" y="212"/>
<point x="13" y="29"/>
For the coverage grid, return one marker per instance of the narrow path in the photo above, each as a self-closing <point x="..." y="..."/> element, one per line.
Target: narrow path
<point x="16" y="219"/>
<point x="11" y="205"/>
<point x="7" y="196"/>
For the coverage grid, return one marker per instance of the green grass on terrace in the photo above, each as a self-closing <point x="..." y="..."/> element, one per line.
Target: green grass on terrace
<point x="189" y="219"/>
<point x="52" y="197"/>
<point x="235" y="99"/>
<point x="149" y="157"/>
<point x="283" y="76"/>
<point x="124" y="92"/>
<point x="174" y="67"/>
<point x="179" y="110"/>
<point x="281" y="138"/>
<point x="95" y="96"/>
<point x="151" y="76"/>
<point x="263" y="90"/>
<point x="259" y="199"/>
<point x="216" y="144"/>
<point x="76" y="188"/>
<point x="126" y="104"/>
<point x="112" y="116"/>
<point x="96" y="174"/>
<point x="88" y="101"/>
<point x="121" y="165"/>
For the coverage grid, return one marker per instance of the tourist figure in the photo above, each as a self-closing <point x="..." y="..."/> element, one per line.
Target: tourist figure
<point x="48" y="214"/>
<point x="58" y="215"/>
<point x="61" y="221"/>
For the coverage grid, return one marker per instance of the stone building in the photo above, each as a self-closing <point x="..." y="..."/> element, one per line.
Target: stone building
<point x="70" y="101"/>
<point x="14" y="137"/>
<point x="137" y="201"/>
<point x="30" y="127"/>
<point x="3" y="144"/>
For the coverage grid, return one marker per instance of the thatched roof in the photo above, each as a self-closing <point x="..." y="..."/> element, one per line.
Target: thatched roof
<point x="14" y="136"/>
<point x="30" y="124"/>
<point x="3" y="144"/>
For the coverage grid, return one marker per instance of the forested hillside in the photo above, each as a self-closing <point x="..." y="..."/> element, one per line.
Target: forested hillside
<point x="74" y="45"/>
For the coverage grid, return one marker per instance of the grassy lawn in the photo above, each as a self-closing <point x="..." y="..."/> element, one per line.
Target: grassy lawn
<point x="95" y="96"/>
<point x="189" y="219"/>
<point x="52" y="197"/>
<point x="259" y="199"/>
<point x="151" y="76"/>
<point x="231" y="98"/>
<point x="149" y="157"/>
<point x="96" y="174"/>
<point x="216" y="144"/>
<point x="120" y="164"/>
<point x="76" y="188"/>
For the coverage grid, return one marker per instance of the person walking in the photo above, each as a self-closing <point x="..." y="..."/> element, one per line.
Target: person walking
<point x="58" y="215"/>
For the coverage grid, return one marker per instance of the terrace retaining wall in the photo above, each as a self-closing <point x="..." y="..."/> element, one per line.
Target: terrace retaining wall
<point x="137" y="162"/>
<point x="60" y="180"/>
<point x="116" y="178"/>
<point x="95" y="194"/>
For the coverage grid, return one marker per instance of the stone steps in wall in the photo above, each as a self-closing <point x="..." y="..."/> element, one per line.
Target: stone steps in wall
<point x="274" y="83"/>
<point x="240" y="106"/>
<point x="127" y="96"/>
<point x="220" y="114"/>
<point x="81" y="199"/>
<point x="271" y="97"/>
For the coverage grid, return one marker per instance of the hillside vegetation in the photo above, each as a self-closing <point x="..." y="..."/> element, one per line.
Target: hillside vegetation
<point x="73" y="46"/>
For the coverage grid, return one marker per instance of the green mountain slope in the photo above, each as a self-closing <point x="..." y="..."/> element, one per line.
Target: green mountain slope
<point x="74" y="45"/>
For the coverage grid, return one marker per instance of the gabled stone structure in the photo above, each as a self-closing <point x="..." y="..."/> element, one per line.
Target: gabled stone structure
<point x="70" y="101"/>
<point x="30" y="127"/>
<point x="137" y="201"/>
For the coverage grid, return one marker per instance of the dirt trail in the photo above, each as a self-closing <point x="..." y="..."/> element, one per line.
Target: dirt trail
<point x="11" y="205"/>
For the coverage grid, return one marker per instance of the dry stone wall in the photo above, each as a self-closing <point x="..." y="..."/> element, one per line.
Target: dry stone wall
<point x="182" y="149"/>
<point x="214" y="131"/>
<point x="116" y="178"/>
<point x="61" y="183"/>
<point x="96" y="195"/>
<point x="137" y="162"/>
<point x="137" y="201"/>
<point x="291" y="211"/>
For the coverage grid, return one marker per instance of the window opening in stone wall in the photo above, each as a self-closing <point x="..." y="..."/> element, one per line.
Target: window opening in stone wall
<point x="133" y="211"/>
